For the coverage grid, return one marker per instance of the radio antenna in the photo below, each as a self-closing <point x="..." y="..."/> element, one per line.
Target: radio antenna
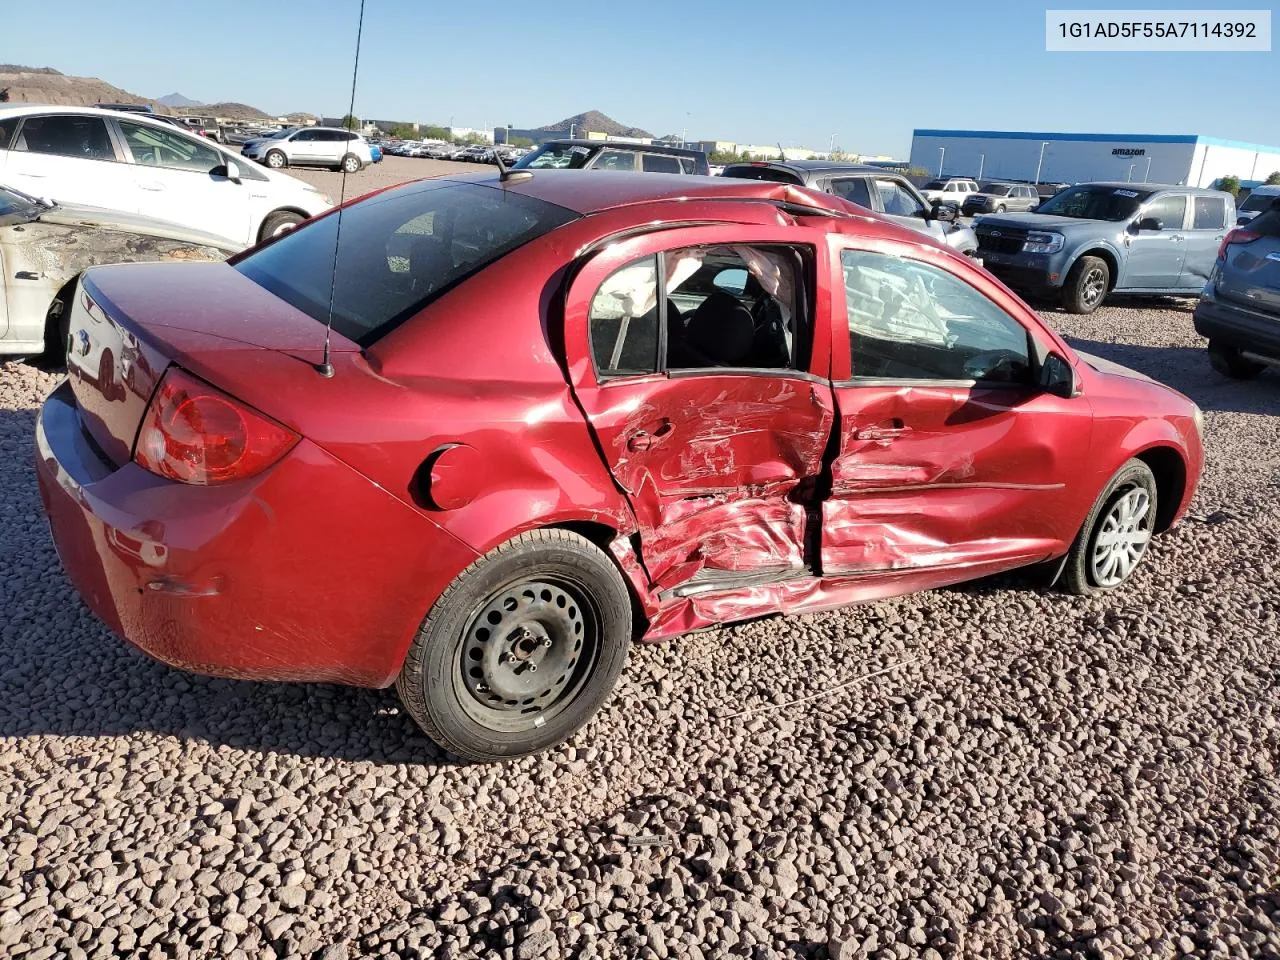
<point x="325" y="367"/>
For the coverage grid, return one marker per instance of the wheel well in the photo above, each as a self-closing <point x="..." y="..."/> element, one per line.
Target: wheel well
<point x="602" y="535"/>
<point x="263" y="225"/>
<point x="1171" y="482"/>
<point x="1113" y="268"/>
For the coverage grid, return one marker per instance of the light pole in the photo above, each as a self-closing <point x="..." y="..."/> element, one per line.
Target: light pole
<point x="684" y="134"/>
<point x="982" y="159"/>
<point x="942" y="156"/>
<point x="1146" y="177"/>
<point x="1129" y="178"/>
<point x="571" y="128"/>
<point x="1040" y="163"/>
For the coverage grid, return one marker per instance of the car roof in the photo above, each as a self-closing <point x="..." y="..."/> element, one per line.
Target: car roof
<point x="621" y="145"/>
<point x="1145" y="187"/>
<point x="595" y="191"/>
<point x="28" y="109"/>
<point x="813" y="166"/>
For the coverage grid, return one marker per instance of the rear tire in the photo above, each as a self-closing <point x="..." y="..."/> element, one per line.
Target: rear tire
<point x="549" y="599"/>
<point x="1087" y="285"/>
<point x="57" y="330"/>
<point x="1114" y="538"/>
<point x="282" y="221"/>
<point x="350" y="164"/>
<point x="276" y="160"/>
<point x="1228" y="362"/>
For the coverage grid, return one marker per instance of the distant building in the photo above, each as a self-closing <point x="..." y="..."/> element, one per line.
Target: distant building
<point x="461" y="133"/>
<point x="1196" y="161"/>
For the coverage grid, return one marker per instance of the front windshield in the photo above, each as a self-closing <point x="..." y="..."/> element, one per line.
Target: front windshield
<point x="1095" y="202"/>
<point x="1259" y="201"/>
<point x="18" y="205"/>
<point x="556" y="156"/>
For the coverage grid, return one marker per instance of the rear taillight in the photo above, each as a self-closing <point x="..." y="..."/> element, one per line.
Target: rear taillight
<point x="1238" y="235"/>
<point x="196" y="434"/>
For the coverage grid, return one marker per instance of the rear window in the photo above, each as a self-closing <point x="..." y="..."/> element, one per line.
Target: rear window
<point x="1255" y="202"/>
<point x="397" y="252"/>
<point x="934" y="185"/>
<point x="1267" y="224"/>
<point x="746" y="172"/>
<point x="1210" y="213"/>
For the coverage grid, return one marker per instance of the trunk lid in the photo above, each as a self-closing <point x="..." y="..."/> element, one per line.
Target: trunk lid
<point x="127" y="323"/>
<point x="1250" y="274"/>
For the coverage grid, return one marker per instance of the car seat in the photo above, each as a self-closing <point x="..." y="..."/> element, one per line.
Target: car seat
<point x="720" y="333"/>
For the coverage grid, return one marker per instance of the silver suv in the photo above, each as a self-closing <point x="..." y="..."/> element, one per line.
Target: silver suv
<point x="311" y="146"/>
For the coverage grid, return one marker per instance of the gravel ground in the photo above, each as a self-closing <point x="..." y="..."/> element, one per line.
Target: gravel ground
<point x="1028" y="775"/>
<point x="389" y="172"/>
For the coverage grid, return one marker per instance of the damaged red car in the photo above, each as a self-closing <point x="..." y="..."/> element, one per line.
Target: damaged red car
<point x="559" y="413"/>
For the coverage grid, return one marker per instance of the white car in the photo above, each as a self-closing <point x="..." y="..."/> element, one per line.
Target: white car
<point x="955" y="190"/>
<point x="311" y="146"/>
<point x="132" y="164"/>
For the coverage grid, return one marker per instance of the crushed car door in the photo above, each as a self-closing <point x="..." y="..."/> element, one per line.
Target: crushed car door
<point x="693" y="357"/>
<point x="949" y="455"/>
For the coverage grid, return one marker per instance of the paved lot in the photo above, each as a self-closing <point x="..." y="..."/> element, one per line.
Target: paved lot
<point x="390" y="171"/>
<point x="1036" y="776"/>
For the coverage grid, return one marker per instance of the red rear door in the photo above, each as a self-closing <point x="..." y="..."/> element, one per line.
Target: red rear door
<point x="949" y="456"/>
<point x="692" y="354"/>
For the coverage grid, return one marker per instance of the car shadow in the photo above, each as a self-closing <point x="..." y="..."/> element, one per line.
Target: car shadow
<point x="1187" y="370"/>
<point x="65" y="674"/>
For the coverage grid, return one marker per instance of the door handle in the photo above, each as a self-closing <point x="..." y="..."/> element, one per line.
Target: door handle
<point x="883" y="431"/>
<point x="646" y="440"/>
<point x="26" y="275"/>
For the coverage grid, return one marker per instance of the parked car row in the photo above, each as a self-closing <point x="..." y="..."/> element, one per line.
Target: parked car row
<point x="439" y="150"/>
<point x="311" y="146"/>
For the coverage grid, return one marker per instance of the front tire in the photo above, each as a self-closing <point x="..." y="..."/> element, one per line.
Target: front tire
<point x="1086" y="285"/>
<point x="1000" y="209"/>
<point x="1115" y="535"/>
<point x="521" y="649"/>
<point x="276" y="160"/>
<point x="350" y="164"/>
<point x="282" y="221"/>
<point x="1228" y="362"/>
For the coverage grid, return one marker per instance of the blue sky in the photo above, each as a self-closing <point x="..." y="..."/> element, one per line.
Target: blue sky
<point x="725" y="69"/>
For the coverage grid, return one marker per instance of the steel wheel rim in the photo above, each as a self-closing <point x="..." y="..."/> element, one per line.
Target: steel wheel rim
<point x="351" y="166"/>
<point x="1094" y="285"/>
<point x="527" y="653"/>
<point x="1122" y="538"/>
<point x="275" y="161"/>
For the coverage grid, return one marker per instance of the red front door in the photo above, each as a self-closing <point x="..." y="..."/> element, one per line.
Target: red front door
<point x="707" y="396"/>
<point x="949" y="456"/>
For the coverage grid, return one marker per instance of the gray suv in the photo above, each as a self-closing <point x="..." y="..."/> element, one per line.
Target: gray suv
<point x="1097" y="238"/>
<point x="883" y="191"/>
<point x="997" y="197"/>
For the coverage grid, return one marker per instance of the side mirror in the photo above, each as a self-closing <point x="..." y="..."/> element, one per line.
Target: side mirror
<point x="233" y="171"/>
<point x="1057" y="377"/>
<point x="945" y="211"/>
<point x="1151" y="223"/>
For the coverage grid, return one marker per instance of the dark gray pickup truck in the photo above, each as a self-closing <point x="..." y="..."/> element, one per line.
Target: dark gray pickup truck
<point x="1094" y="239"/>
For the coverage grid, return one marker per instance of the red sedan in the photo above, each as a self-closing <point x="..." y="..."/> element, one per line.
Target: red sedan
<point x="565" y="411"/>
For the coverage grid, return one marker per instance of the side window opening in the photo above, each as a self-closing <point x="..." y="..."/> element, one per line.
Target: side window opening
<point x="1210" y="213"/>
<point x="909" y="320"/>
<point x="732" y="306"/>
<point x="76" y="136"/>
<point x="853" y="189"/>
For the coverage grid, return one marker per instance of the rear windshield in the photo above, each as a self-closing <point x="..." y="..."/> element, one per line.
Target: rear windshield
<point x="934" y="185"/>
<point x="1095" y="202"/>
<point x="1259" y="201"/>
<point x="1002" y="189"/>
<point x="745" y="172"/>
<point x="557" y="156"/>
<point x="397" y="252"/>
<point x="1267" y="224"/>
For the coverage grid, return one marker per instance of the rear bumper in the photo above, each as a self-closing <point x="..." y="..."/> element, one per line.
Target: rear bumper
<point x="1238" y="326"/>
<point x="306" y="572"/>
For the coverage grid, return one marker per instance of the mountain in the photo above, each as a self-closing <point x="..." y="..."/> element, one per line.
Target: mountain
<point x="19" y="84"/>
<point x="594" y="121"/>
<point x="237" y="111"/>
<point x="177" y="100"/>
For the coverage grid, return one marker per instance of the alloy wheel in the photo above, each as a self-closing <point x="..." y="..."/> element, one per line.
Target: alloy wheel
<point x="1095" y="285"/>
<point x="1122" y="538"/>
<point x="526" y="653"/>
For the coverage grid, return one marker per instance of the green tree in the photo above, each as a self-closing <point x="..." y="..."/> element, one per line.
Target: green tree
<point x="432" y="132"/>
<point x="918" y="172"/>
<point x="1230" y="184"/>
<point x="521" y="142"/>
<point x="403" y="131"/>
<point x="1274" y="179"/>
<point x="474" y="137"/>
